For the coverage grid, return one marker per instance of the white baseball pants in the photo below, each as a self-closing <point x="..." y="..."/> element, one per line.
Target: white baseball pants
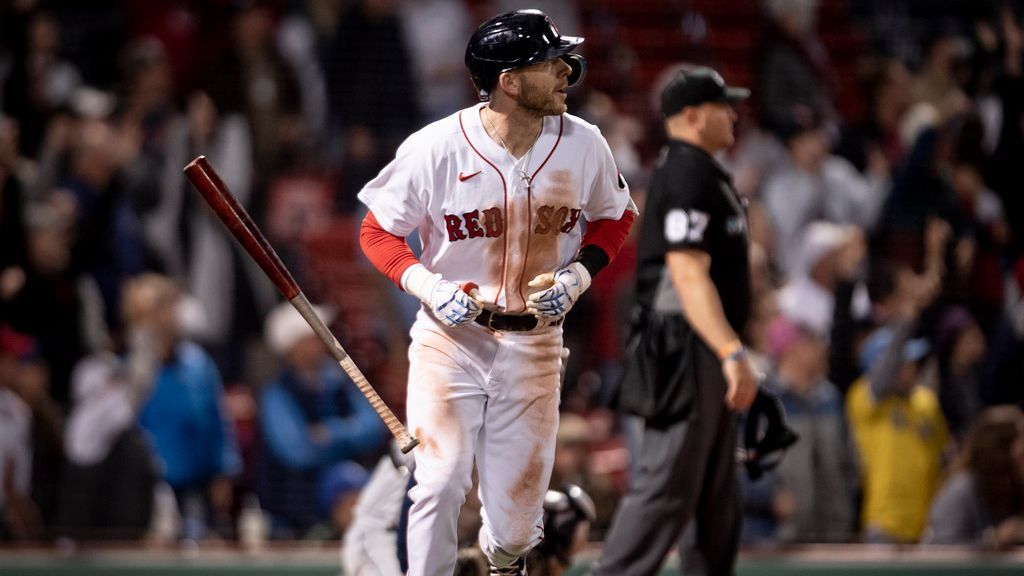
<point x="489" y="395"/>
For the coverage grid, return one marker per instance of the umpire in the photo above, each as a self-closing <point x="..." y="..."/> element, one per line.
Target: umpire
<point x="687" y="372"/>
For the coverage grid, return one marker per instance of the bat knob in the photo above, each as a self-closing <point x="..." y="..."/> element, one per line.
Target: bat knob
<point x="409" y="445"/>
<point x="468" y="287"/>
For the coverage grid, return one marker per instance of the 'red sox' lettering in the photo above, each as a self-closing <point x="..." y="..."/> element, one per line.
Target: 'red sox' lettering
<point x="473" y="224"/>
<point x="454" y="225"/>
<point x="490" y="223"/>
<point x="494" y="224"/>
<point x="476" y="224"/>
<point x="551" y="220"/>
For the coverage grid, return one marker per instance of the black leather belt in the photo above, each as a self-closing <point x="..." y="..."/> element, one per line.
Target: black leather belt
<point x="510" y="322"/>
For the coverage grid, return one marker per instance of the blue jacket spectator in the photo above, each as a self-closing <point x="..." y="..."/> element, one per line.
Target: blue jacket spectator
<point x="184" y="416"/>
<point x="186" y="421"/>
<point x="344" y="425"/>
<point x="311" y="417"/>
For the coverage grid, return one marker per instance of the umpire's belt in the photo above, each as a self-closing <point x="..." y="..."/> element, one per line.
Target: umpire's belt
<point x="510" y="322"/>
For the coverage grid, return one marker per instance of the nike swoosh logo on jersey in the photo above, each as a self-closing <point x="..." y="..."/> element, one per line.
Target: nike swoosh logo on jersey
<point x="464" y="177"/>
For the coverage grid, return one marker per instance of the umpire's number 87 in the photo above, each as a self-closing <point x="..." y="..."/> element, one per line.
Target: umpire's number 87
<point x="681" y="225"/>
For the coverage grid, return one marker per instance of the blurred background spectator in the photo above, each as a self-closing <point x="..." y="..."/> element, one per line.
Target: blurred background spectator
<point x="982" y="502"/>
<point x="813" y="496"/>
<point x="111" y="473"/>
<point x="900" y="432"/>
<point x="430" y="29"/>
<point x="815" y="185"/>
<point x="313" y="420"/>
<point x="375" y="111"/>
<point x="184" y="415"/>
<point x="960" y="349"/>
<point x="19" y="516"/>
<point x="794" y="68"/>
<point x="337" y="494"/>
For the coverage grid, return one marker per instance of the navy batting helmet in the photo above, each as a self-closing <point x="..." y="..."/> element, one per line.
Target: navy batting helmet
<point x="515" y="40"/>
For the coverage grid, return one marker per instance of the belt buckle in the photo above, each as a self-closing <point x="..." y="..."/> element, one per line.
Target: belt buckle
<point x="490" y="320"/>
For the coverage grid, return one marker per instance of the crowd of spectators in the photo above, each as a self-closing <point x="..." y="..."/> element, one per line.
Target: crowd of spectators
<point x="153" y="387"/>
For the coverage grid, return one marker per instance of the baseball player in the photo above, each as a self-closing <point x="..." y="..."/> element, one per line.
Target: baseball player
<point x="524" y="201"/>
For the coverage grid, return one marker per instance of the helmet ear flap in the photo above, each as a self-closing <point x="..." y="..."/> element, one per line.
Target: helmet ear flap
<point x="484" y="81"/>
<point x="579" y="67"/>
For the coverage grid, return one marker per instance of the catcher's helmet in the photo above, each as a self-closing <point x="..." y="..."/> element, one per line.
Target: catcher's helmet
<point x="564" y="509"/>
<point x="517" y="39"/>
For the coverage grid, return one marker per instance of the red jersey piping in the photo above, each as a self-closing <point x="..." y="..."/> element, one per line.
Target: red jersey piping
<point x="504" y="188"/>
<point x="529" y="207"/>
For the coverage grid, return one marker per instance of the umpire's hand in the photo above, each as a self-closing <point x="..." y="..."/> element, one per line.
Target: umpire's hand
<point x="741" y="380"/>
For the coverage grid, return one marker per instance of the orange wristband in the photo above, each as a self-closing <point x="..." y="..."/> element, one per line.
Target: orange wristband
<point x="729" y="349"/>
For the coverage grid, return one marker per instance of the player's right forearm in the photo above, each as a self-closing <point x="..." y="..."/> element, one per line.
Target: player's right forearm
<point x="701" y="302"/>
<point x="419" y="281"/>
<point x="387" y="252"/>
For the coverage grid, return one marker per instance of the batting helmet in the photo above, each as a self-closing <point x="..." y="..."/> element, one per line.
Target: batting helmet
<point x="515" y="40"/>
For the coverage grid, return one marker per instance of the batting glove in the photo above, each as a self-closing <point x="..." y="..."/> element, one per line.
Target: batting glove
<point x="564" y="288"/>
<point x="446" y="300"/>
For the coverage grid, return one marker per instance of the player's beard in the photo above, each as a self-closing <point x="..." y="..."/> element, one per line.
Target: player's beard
<point x="539" y="101"/>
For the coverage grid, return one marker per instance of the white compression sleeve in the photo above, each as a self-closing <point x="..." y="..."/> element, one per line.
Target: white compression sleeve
<point x="419" y="281"/>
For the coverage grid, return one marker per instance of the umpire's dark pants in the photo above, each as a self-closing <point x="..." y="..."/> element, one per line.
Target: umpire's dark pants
<point x="685" y="470"/>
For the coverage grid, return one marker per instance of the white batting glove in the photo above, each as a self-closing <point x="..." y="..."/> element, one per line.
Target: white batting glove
<point x="446" y="300"/>
<point x="452" y="306"/>
<point x="563" y="289"/>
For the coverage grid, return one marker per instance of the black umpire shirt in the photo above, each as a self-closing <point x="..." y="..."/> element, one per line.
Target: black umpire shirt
<point x="691" y="204"/>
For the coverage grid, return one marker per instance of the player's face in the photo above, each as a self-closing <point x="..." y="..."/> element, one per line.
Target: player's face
<point x="543" y="87"/>
<point x="719" y="118"/>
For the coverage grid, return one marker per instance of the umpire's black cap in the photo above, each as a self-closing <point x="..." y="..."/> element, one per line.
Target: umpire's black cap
<point x="695" y="86"/>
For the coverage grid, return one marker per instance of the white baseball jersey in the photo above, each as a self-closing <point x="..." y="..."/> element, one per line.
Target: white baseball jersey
<point x="487" y="218"/>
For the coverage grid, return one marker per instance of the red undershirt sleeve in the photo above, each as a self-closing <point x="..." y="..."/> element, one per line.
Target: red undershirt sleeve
<point x="389" y="253"/>
<point x="609" y="235"/>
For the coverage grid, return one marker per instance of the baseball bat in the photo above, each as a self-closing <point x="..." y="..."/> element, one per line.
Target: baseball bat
<point x="233" y="215"/>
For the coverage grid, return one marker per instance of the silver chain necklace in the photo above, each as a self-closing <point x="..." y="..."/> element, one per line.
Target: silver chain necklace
<point x="515" y="163"/>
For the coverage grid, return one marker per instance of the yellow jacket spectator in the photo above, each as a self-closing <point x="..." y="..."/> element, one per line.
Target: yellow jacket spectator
<point x="900" y="434"/>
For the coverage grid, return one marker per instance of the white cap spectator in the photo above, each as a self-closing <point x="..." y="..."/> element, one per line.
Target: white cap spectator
<point x="805" y="299"/>
<point x="91" y="103"/>
<point x="819" y="240"/>
<point x="285" y="326"/>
